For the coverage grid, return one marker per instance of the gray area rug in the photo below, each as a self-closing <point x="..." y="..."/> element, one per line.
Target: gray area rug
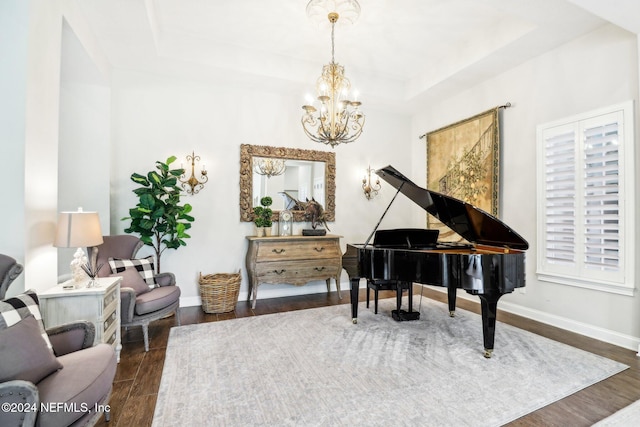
<point x="315" y="368"/>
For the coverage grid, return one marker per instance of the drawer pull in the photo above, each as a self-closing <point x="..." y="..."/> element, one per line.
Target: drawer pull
<point x="279" y="272"/>
<point x="278" y="251"/>
<point x="320" y="249"/>
<point x="319" y="268"/>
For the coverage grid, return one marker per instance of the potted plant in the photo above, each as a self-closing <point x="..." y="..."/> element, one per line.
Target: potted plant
<point x="262" y="217"/>
<point x="159" y="218"/>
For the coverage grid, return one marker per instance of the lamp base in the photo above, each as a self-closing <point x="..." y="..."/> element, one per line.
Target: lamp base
<point x="77" y="273"/>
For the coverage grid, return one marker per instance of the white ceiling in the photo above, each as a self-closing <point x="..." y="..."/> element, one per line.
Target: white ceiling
<point x="398" y="53"/>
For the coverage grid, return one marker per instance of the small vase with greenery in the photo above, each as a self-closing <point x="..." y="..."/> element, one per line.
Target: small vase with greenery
<point x="159" y="218"/>
<point x="262" y="216"/>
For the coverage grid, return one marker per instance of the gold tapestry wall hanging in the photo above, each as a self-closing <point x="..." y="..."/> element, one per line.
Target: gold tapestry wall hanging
<point x="463" y="161"/>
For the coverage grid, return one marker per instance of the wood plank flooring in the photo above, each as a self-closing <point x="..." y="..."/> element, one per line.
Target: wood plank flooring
<point x="138" y="376"/>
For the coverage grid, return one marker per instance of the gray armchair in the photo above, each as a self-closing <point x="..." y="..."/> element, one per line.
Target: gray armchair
<point x="66" y="384"/>
<point x="9" y="270"/>
<point x="139" y="304"/>
<point x="76" y="394"/>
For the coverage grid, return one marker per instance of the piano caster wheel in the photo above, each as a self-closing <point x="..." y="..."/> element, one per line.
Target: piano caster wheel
<point x="355" y="320"/>
<point x="452" y="314"/>
<point x="488" y="353"/>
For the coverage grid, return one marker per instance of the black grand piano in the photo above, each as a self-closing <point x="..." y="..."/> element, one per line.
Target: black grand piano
<point x="489" y="264"/>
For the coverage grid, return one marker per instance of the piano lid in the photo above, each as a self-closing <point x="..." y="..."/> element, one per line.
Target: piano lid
<point x="470" y="222"/>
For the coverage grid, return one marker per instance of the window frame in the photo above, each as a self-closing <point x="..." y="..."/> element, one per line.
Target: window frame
<point x="621" y="281"/>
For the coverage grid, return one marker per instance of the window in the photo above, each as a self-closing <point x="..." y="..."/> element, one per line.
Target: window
<point x="586" y="200"/>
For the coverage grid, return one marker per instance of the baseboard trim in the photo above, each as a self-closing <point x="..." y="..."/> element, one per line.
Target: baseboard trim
<point x="591" y="331"/>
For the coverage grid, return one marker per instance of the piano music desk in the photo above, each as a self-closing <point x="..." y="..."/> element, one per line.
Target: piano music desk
<point x="294" y="260"/>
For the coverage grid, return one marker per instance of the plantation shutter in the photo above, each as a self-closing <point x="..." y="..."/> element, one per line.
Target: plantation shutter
<point x="560" y="203"/>
<point x="586" y="200"/>
<point x="601" y="197"/>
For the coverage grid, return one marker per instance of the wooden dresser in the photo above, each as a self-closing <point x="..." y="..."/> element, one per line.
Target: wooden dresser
<point x="294" y="260"/>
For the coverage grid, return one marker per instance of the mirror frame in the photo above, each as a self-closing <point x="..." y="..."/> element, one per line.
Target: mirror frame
<point x="247" y="152"/>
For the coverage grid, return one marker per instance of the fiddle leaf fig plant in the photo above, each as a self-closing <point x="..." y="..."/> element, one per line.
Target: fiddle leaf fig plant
<point x="159" y="218"/>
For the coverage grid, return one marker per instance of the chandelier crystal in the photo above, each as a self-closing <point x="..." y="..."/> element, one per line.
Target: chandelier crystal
<point x="339" y="119"/>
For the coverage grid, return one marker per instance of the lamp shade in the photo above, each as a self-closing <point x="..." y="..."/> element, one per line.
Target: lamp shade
<point x="78" y="229"/>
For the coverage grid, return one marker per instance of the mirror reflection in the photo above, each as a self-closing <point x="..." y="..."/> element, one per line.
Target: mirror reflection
<point x="287" y="181"/>
<point x="287" y="175"/>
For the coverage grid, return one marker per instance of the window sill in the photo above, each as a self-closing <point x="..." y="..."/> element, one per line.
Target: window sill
<point x="613" y="288"/>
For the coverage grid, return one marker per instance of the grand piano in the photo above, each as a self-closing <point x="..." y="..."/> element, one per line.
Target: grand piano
<point x="489" y="263"/>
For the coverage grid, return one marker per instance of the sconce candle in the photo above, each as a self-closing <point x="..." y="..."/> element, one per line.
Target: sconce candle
<point x="193" y="185"/>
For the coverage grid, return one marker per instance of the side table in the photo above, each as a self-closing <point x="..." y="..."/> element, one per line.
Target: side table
<point x="100" y="305"/>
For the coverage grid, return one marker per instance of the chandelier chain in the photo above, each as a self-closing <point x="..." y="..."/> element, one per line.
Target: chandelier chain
<point x="333" y="49"/>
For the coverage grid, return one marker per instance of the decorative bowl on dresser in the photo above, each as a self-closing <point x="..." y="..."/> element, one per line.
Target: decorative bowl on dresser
<point x="294" y="260"/>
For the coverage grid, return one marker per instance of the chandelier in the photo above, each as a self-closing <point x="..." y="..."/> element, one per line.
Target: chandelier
<point x="269" y="167"/>
<point x="339" y="120"/>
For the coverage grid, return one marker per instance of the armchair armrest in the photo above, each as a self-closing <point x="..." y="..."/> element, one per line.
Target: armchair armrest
<point x="24" y="395"/>
<point x="127" y="304"/>
<point x="165" y="279"/>
<point x="70" y="337"/>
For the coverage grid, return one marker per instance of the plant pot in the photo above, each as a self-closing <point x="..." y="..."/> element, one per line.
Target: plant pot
<point x="267" y="231"/>
<point x="260" y="231"/>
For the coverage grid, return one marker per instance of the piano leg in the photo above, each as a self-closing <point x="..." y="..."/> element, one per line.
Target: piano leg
<point x="355" y="289"/>
<point x="489" y="305"/>
<point x="451" y="296"/>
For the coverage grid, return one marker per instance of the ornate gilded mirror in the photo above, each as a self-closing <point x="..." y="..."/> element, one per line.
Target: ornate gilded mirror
<point x="286" y="175"/>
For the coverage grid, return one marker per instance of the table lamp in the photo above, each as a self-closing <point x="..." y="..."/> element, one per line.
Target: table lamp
<point x="78" y="230"/>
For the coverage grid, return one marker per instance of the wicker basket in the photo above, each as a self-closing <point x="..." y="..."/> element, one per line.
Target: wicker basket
<point x="219" y="292"/>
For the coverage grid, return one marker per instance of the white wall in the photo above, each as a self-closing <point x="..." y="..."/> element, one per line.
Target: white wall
<point x="156" y="117"/>
<point x="14" y="18"/>
<point x="597" y="70"/>
<point x="84" y="137"/>
<point x="41" y="126"/>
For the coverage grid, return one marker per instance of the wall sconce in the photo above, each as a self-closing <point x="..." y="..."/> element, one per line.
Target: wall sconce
<point x="192" y="185"/>
<point x="370" y="190"/>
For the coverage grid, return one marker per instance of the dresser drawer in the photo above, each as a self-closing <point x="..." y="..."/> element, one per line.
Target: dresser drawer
<point x="290" y="250"/>
<point x="297" y="271"/>
<point x="109" y="320"/>
<point x="110" y="337"/>
<point x="109" y="298"/>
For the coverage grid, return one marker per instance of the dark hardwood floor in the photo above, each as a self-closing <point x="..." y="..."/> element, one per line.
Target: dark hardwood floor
<point x="138" y="376"/>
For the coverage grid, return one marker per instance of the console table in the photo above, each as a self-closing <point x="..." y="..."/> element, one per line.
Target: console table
<point x="294" y="260"/>
<point x="100" y="305"/>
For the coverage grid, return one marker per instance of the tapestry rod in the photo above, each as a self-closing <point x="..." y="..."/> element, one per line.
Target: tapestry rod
<point x="506" y="105"/>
